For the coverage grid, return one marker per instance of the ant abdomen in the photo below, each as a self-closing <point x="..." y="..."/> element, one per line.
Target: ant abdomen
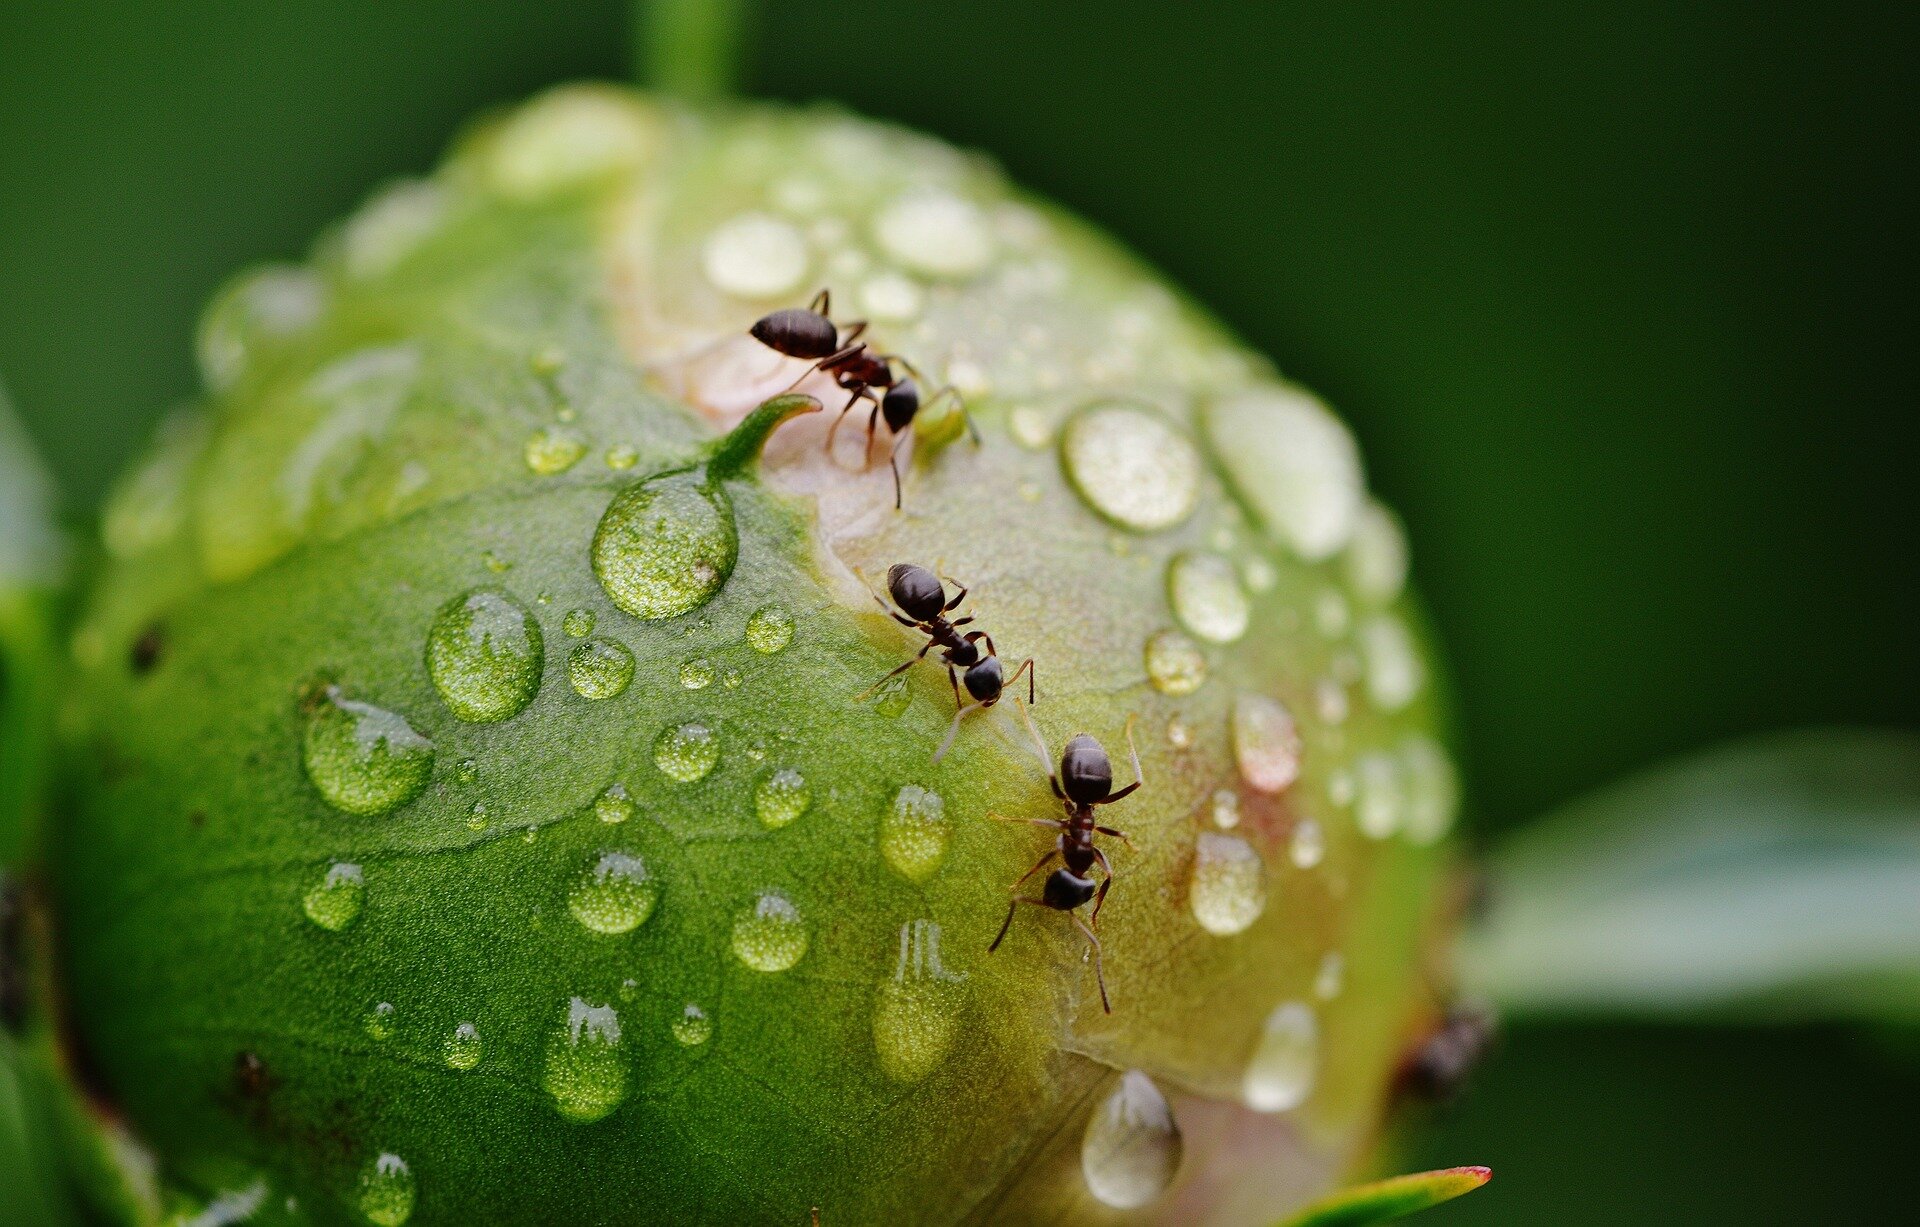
<point x="916" y="590"/>
<point x="1066" y="890"/>
<point x="1086" y="774"/>
<point x="797" y="333"/>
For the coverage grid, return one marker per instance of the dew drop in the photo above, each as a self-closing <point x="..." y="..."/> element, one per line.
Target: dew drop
<point x="1131" y="465"/>
<point x="614" y="894"/>
<point x="1266" y="742"/>
<point x="620" y="458"/>
<point x="463" y="1048"/>
<point x="1378" y="794"/>
<point x="697" y="674"/>
<point x="781" y="797"/>
<point x="485" y="655"/>
<point x="1224" y="807"/>
<point x="693" y="1028"/>
<point x="686" y="752"/>
<point x="1207" y="598"/>
<point x="665" y="545"/>
<point x="755" y="256"/>
<point x="916" y="1012"/>
<point x="364" y="759"/>
<point x="254" y="312"/>
<point x="1179" y="734"/>
<point x="379" y="1022"/>
<point x="495" y="563"/>
<point x="914" y="833"/>
<point x="550" y="453"/>
<point x="1175" y="663"/>
<point x="466" y="771"/>
<point x="1259" y="574"/>
<point x="586" y="1072"/>
<point x="579" y="623"/>
<point x="600" y="668"/>
<point x="1031" y="427"/>
<point x="613" y="806"/>
<point x="1294" y="463"/>
<point x="1377" y="555"/>
<point x="1228" y="889"/>
<point x="1307" y="846"/>
<point x="386" y="1191"/>
<point x="1394" y="672"/>
<point x="477" y="816"/>
<point x="891" y="298"/>
<point x="1433" y="789"/>
<point x="335" y="902"/>
<point x="770" y="936"/>
<point x="1280" y="1076"/>
<point x="935" y="233"/>
<point x="770" y="629"/>
<point x="1132" y="1146"/>
<point x="893" y="698"/>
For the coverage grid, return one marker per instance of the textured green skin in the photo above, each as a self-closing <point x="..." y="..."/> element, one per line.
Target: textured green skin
<point x="196" y="833"/>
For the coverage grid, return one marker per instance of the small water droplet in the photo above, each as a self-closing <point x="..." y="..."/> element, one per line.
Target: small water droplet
<point x="614" y="894"/>
<point x="335" y="902"/>
<point x="364" y="759"/>
<point x="1331" y="975"/>
<point x="686" y="752"/>
<point x="1131" y="465"/>
<point x="693" y="1028"/>
<point x="485" y="654"/>
<point x="891" y="298"/>
<point x="1331" y="614"/>
<point x="551" y="452"/>
<point x="1266" y="742"/>
<point x="600" y="668"/>
<point x="1378" y="794"/>
<point x="1031" y="427"/>
<point x="892" y="698"/>
<point x="1175" y="663"/>
<point x="1224" y="806"/>
<point x="477" y="816"/>
<point x="1207" y="598"/>
<point x="935" y="233"/>
<point x="1228" y="889"/>
<point x="466" y="771"/>
<point x="731" y="679"/>
<point x="1377" y="555"/>
<point x="613" y="806"/>
<point x="1330" y="700"/>
<point x="770" y="936"/>
<point x="770" y="629"/>
<point x="495" y="563"/>
<point x="579" y="623"/>
<point x="586" y="1072"/>
<point x="1293" y="462"/>
<point x="914" y="832"/>
<point x="665" y="545"/>
<point x="1394" y="672"/>
<point x="1259" y="574"/>
<point x="379" y="1022"/>
<point x="386" y="1191"/>
<point x="1179" y="734"/>
<point x="916" y="1012"/>
<point x="463" y="1048"/>
<point x="781" y="797"/>
<point x="620" y="458"/>
<point x="1132" y="1147"/>
<point x="697" y="674"/>
<point x="755" y="256"/>
<point x="1281" y="1074"/>
<point x="1307" y="846"/>
<point x="1433" y="789"/>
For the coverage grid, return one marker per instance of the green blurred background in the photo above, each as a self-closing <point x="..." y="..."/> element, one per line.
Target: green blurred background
<point x="1620" y="298"/>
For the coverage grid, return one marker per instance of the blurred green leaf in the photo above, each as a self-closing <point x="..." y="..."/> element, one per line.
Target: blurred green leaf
<point x="30" y="1189"/>
<point x="1396" y="1197"/>
<point x="30" y="564"/>
<point x="1779" y="878"/>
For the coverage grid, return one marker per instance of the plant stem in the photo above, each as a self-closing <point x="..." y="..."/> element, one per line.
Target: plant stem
<point x="689" y="48"/>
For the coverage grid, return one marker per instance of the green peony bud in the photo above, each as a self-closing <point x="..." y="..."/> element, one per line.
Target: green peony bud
<point x="477" y="818"/>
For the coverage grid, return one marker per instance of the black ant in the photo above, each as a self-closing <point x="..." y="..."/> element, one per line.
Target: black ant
<point x="1440" y="1064"/>
<point x="809" y="333"/>
<point x="1084" y="780"/>
<point x="923" y="604"/>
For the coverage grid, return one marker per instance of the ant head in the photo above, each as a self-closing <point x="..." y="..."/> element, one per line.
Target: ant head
<point x="1086" y="776"/>
<point x="797" y="333"/>
<point x="916" y="590"/>
<point x="1066" y="890"/>
<point x="900" y="404"/>
<point x="985" y="679"/>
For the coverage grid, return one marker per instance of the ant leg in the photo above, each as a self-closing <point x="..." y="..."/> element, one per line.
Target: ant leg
<point x="1119" y="835"/>
<point x="1100" y="896"/>
<point x="835" y="428"/>
<point x="1138" y="778"/>
<point x="822" y="303"/>
<point x="973" y="432"/>
<point x="893" y="462"/>
<point x="917" y="657"/>
<point x="853" y="331"/>
<point x="958" y="597"/>
<point x="1038" y="865"/>
<point x="1026" y="667"/>
<point x="893" y="613"/>
<point x="1099" y="972"/>
<point x="1046" y="756"/>
<point x="953" y="680"/>
<point x="873" y="429"/>
<point x="954" y="730"/>
<point x="1056" y="824"/>
<point x="1013" y="905"/>
<point x="961" y="621"/>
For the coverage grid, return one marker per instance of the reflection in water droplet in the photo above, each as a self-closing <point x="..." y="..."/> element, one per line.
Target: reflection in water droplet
<point x="485" y="655"/>
<point x="697" y="674"/>
<point x="1266" y="742"/>
<point x="693" y="1028"/>
<point x="1433" y="789"/>
<point x="916" y="1012"/>
<point x="579" y="623"/>
<point x="552" y="452"/>
<point x="1394" y="672"/>
<point x="335" y="902"/>
<point x="781" y="797"/>
<point x="615" y="894"/>
<point x="665" y="545"/>
<point x="686" y="752"/>
<point x="379" y="1023"/>
<point x="364" y="759"/>
<point x="1378" y="795"/>
<point x="463" y="1047"/>
<point x="600" y="668"/>
<point x="1131" y="465"/>
<point x="770" y="936"/>
<point x="914" y="832"/>
<point x="1132" y="1146"/>
<point x="1207" y="598"/>
<point x="892" y="698"/>
<point x="585" y="1072"/>
<point x="1280" y="1076"/>
<point x="1228" y="889"/>
<point x="1175" y="663"/>
<point x="386" y="1191"/>
<point x="613" y="806"/>
<point x="1307" y="846"/>
<point x="769" y="629"/>
<point x="1293" y="462"/>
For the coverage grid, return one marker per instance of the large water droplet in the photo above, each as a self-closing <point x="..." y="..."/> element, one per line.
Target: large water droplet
<point x="914" y="833"/>
<point x="916" y="1012"/>
<point x="1175" y="663"/>
<point x="600" y="668"/>
<point x="485" y="655"/>
<point x="1228" y="889"/>
<point x="1293" y="462"/>
<point x="1379" y="795"/>
<point x="1206" y="596"/>
<point x="781" y="797"/>
<point x="1266" y="742"/>
<point x="550" y="452"/>
<point x="935" y="233"/>
<point x="693" y="1028"/>
<point x="1132" y="1146"/>
<point x="613" y="806"/>
<point x="1377" y="555"/>
<point x="1394" y="672"/>
<point x="615" y="894"/>
<point x="586" y="1072"/>
<point x="755" y="256"/>
<point x="1280" y="1076"/>
<point x="686" y="752"/>
<point x="379" y="1022"/>
<point x="463" y="1048"/>
<point x="364" y="759"/>
<point x="770" y="936"/>
<point x="770" y="629"/>
<point x="386" y="1191"/>
<point x="1131" y="465"/>
<point x="665" y="545"/>
<point x="335" y="902"/>
<point x="1433" y="789"/>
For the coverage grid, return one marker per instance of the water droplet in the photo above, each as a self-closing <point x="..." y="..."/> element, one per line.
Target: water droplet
<point x="914" y="833"/>
<point x="693" y="1028"/>
<point x="615" y="894"/>
<point x="697" y="674"/>
<point x="1207" y="598"/>
<point x="620" y="458"/>
<point x="1377" y="555"/>
<point x="1394" y="672"/>
<point x="335" y="902"/>
<point x="1179" y="734"/>
<point x="916" y="1012"/>
<point x="1228" y="889"/>
<point x="477" y="816"/>
<point x="391" y="226"/>
<point x="600" y="668"/>
<point x="770" y="629"/>
<point x="755" y="256"/>
<point x="1259" y="574"/>
<point x="552" y="452"/>
<point x="613" y="806"/>
<point x="579" y="623"/>
<point x="1280" y="1076"/>
<point x="364" y="759"/>
<point x="1340" y="788"/>
<point x="892" y="698"/>
<point x="1031" y="427"/>
<point x="781" y="797"/>
<point x="586" y="1073"/>
<point x="1331" y="975"/>
<point x="463" y="1048"/>
<point x="495" y="563"/>
<point x="686" y="752"/>
<point x="1175" y="663"/>
<point x="386" y="1191"/>
<point x="1307" y="846"/>
<point x="665" y="545"/>
<point x="1293" y="462"/>
<point x="379" y="1023"/>
<point x="1131" y="465"/>
<point x="1433" y="789"/>
<point x="1132" y="1146"/>
<point x="1331" y="614"/>
<point x="466" y="771"/>
<point x="731" y="679"/>
<point x="1266" y="742"/>
<point x="485" y="654"/>
<point x="254" y="312"/>
<point x="891" y="298"/>
<point x="935" y="233"/>
<point x="568" y="137"/>
<point x="1330" y="700"/>
<point x="1378" y="795"/>
<point x="770" y="936"/>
